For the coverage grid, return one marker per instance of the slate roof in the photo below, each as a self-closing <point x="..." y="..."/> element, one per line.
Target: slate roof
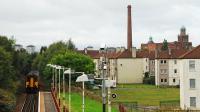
<point x="175" y="54"/>
<point x="193" y="54"/>
<point x="145" y="54"/>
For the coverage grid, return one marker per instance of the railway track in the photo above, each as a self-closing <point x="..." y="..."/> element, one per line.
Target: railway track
<point x="30" y="103"/>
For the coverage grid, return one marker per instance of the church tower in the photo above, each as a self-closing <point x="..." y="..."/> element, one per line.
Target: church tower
<point x="182" y="37"/>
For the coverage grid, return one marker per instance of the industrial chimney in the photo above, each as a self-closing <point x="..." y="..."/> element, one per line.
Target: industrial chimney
<point x="129" y="30"/>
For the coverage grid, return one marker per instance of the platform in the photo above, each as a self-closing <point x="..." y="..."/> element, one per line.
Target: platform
<point x="46" y="102"/>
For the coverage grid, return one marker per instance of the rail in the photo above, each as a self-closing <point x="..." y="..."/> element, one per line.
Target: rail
<point x="30" y="103"/>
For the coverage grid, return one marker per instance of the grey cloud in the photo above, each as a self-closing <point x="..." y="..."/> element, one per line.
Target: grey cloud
<point x="92" y="22"/>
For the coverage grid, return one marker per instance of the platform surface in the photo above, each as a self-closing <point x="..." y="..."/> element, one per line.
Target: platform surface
<point x="46" y="102"/>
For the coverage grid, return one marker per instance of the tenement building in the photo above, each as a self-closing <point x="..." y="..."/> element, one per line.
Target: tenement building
<point x="190" y="79"/>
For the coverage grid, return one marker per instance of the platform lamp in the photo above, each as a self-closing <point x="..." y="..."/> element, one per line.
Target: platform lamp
<point x="53" y="74"/>
<point x="68" y="71"/>
<point x="59" y="68"/>
<point x="83" y="78"/>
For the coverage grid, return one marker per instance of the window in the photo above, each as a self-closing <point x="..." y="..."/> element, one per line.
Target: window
<point x="165" y="61"/>
<point x="161" y="80"/>
<point x="192" y="101"/>
<point x="192" y="83"/>
<point x="165" y="80"/>
<point x="161" y="61"/>
<point x="120" y="64"/>
<point x="175" y="70"/>
<point x="192" y="65"/>
<point x="161" y="71"/>
<point x="165" y="71"/>
<point x="175" y="61"/>
<point x="174" y="80"/>
<point x="152" y="62"/>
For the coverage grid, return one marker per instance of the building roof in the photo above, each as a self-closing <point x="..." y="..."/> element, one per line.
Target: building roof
<point x="171" y="54"/>
<point x="124" y="54"/>
<point x="96" y="54"/>
<point x="92" y="53"/>
<point x="192" y="54"/>
<point x="145" y="54"/>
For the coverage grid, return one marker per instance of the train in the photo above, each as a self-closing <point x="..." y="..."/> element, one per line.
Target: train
<point x="32" y="82"/>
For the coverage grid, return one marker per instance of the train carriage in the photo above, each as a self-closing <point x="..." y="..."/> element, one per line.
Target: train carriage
<point x="32" y="85"/>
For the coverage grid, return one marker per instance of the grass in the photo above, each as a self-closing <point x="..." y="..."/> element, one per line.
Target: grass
<point x="90" y="105"/>
<point x="145" y="95"/>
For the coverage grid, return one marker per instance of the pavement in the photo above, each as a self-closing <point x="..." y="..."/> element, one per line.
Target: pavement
<point x="46" y="102"/>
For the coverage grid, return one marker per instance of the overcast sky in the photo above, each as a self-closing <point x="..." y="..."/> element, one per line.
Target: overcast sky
<point x="93" y="22"/>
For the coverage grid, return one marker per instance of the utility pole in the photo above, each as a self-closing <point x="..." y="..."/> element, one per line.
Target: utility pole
<point x="103" y="73"/>
<point x="103" y="83"/>
<point x="109" y="94"/>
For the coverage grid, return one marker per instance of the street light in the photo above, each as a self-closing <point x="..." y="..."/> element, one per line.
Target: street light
<point x="83" y="78"/>
<point x="59" y="68"/>
<point x="69" y="72"/>
<point x="53" y="76"/>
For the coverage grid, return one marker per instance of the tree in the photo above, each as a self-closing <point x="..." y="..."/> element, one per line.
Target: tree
<point x="7" y="44"/>
<point x="43" y="49"/>
<point x="7" y="73"/>
<point x="73" y="60"/>
<point x="23" y="61"/>
<point x="42" y="60"/>
<point x="70" y="45"/>
<point x="8" y="83"/>
<point x="165" y="45"/>
<point x="56" y="48"/>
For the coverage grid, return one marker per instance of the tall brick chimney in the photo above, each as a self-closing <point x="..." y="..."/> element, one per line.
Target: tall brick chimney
<point x="129" y="30"/>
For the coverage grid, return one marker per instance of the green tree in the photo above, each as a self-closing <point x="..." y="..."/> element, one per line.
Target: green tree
<point x="23" y="61"/>
<point x="8" y="84"/>
<point x="7" y="73"/>
<point x="70" y="45"/>
<point x="42" y="60"/>
<point x="7" y="44"/>
<point x="43" y="49"/>
<point x="165" y="45"/>
<point x="73" y="60"/>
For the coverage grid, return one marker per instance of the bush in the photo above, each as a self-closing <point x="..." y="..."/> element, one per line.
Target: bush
<point x="7" y="101"/>
<point x="149" y="80"/>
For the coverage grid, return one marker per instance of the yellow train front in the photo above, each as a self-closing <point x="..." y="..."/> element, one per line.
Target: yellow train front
<point x="32" y="85"/>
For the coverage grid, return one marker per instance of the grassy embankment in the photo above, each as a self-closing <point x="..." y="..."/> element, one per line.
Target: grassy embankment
<point x="145" y="94"/>
<point x="90" y="105"/>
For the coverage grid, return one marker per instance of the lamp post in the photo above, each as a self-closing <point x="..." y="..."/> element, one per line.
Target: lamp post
<point x="83" y="78"/>
<point x="54" y="67"/>
<point x="59" y="68"/>
<point x="50" y="65"/>
<point x="56" y="82"/>
<point x="69" y="72"/>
